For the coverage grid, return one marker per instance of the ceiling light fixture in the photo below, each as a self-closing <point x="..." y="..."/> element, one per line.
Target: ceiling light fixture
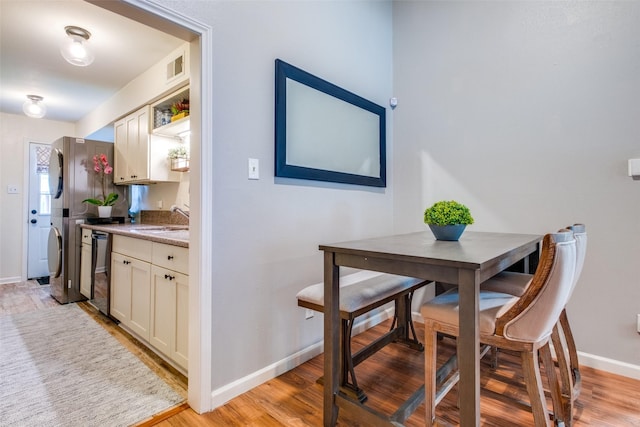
<point x="33" y="107"/>
<point x="75" y="49"/>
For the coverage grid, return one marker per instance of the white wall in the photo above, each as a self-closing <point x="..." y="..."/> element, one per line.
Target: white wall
<point x="266" y="233"/>
<point x="527" y="112"/>
<point x="16" y="131"/>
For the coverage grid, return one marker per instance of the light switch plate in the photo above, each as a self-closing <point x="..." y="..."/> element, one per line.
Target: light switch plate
<point x="12" y="189"/>
<point x="254" y="169"/>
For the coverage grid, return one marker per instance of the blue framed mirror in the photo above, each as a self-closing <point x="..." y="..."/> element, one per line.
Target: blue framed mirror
<point x="326" y="133"/>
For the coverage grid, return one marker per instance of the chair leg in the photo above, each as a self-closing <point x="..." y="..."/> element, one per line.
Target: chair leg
<point x="566" y="379"/>
<point x="430" y="371"/>
<point x="531" y="370"/>
<point x="573" y="354"/>
<point x="559" y="414"/>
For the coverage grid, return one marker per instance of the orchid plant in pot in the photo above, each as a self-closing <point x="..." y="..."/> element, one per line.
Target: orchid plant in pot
<point x="102" y="169"/>
<point x="447" y="219"/>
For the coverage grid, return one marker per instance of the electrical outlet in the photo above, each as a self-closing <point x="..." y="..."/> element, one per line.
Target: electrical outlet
<point x="12" y="189"/>
<point x="308" y="313"/>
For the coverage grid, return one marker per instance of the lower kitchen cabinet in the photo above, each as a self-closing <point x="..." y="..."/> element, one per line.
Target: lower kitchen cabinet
<point x="130" y="289"/>
<point x="151" y="298"/>
<point x="169" y="314"/>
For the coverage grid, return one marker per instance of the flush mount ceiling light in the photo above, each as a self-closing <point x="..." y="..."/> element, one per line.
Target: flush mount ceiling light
<point x="75" y="49"/>
<point x="33" y="107"/>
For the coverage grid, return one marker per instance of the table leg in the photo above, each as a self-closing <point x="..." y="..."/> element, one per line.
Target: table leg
<point x="469" y="348"/>
<point x="331" y="338"/>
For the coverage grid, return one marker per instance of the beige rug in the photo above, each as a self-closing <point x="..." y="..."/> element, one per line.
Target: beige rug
<point x="58" y="367"/>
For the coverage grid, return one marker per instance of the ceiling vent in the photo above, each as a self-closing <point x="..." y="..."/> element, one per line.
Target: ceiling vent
<point x="175" y="68"/>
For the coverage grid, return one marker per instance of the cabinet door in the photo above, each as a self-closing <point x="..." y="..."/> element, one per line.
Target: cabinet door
<point x="132" y="147"/>
<point x="120" y="288"/>
<point x="170" y="314"/>
<point x="120" y="164"/>
<point x="180" y="351"/>
<point x="138" y="137"/>
<point x="85" y="270"/>
<point x="163" y="309"/>
<point x="140" y="297"/>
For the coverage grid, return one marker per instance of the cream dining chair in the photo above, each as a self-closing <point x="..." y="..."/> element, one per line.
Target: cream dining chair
<point x="562" y="337"/>
<point x="522" y="324"/>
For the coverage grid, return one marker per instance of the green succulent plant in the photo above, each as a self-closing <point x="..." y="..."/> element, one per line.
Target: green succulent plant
<point x="448" y="213"/>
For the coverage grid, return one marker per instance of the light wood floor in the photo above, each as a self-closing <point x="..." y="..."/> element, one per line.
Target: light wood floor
<point x="295" y="399"/>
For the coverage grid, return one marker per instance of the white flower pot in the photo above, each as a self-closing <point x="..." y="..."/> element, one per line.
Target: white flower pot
<point x="104" y="211"/>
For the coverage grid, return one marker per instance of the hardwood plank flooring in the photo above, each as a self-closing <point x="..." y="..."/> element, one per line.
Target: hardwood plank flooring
<point x="390" y="376"/>
<point x="294" y="399"/>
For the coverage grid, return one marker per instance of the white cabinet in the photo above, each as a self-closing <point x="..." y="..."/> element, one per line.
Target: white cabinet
<point x="150" y="294"/>
<point x="169" y="314"/>
<point x="85" y="264"/>
<point x="170" y="301"/>
<point x="131" y="283"/>
<point x="141" y="158"/>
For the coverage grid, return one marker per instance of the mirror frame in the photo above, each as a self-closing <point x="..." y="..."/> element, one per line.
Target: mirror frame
<point x="284" y="71"/>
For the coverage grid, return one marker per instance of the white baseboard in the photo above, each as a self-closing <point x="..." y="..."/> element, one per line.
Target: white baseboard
<point x="227" y="392"/>
<point x="7" y="280"/>
<point x="609" y="365"/>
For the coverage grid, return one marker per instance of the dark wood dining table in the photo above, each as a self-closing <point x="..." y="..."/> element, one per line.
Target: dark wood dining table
<point x="467" y="263"/>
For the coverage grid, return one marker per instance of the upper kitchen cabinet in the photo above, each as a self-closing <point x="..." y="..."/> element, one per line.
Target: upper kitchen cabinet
<point x="141" y="158"/>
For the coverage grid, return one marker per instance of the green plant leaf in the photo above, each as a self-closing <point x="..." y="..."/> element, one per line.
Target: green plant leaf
<point x="109" y="201"/>
<point x="448" y="213"/>
<point x="93" y="202"/>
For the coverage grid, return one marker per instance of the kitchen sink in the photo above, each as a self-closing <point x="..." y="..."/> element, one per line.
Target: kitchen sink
<point x="179" y="232"/>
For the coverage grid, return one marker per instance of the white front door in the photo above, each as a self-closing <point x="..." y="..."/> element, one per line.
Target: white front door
<point x="39" y="210"/>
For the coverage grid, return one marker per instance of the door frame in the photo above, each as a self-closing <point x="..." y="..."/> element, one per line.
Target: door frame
<point x="200" y="36"/>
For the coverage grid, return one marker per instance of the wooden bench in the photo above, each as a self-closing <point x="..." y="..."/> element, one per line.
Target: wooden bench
<point x="360" y="293"/>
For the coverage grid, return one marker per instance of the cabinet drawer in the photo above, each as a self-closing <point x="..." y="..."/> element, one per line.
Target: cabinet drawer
<point x="86" y="235"/>
<point x="130" y="246"/>
<point x="172" y="257"/>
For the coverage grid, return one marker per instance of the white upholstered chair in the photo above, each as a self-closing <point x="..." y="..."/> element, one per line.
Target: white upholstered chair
<point x="522" y="324"/>
<point x="562" y="337"/>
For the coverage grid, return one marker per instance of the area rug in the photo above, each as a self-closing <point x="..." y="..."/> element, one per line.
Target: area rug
<point x="58" y="367"/>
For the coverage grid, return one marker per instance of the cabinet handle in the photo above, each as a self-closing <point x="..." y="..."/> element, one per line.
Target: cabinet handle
<point x="126" y="262"/>
<point x="169" y="257"/>
<point x="166" y="276"/>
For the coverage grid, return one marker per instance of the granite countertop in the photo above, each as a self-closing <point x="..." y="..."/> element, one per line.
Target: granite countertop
<point x="171" y="234"/>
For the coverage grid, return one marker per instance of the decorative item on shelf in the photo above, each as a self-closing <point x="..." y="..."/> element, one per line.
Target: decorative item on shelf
<point x="102" y="168"/>
<point x="179" y="110"/>
<point x="165" y="118"/>
<point x="447" y="219"/>
<point x="179" y="158"/>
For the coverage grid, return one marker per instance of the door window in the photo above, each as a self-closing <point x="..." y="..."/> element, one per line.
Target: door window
<point x="42" y="171"/>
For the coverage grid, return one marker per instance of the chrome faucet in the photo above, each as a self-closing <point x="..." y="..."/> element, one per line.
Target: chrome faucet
<point x="174" y="208"/>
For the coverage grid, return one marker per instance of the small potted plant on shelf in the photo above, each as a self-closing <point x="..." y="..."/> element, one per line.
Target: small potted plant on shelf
<point x="179" y="158"/>
<point x="179" y="110"/>
<point x="447" y="219"/>
<point x="102" y="169"/>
